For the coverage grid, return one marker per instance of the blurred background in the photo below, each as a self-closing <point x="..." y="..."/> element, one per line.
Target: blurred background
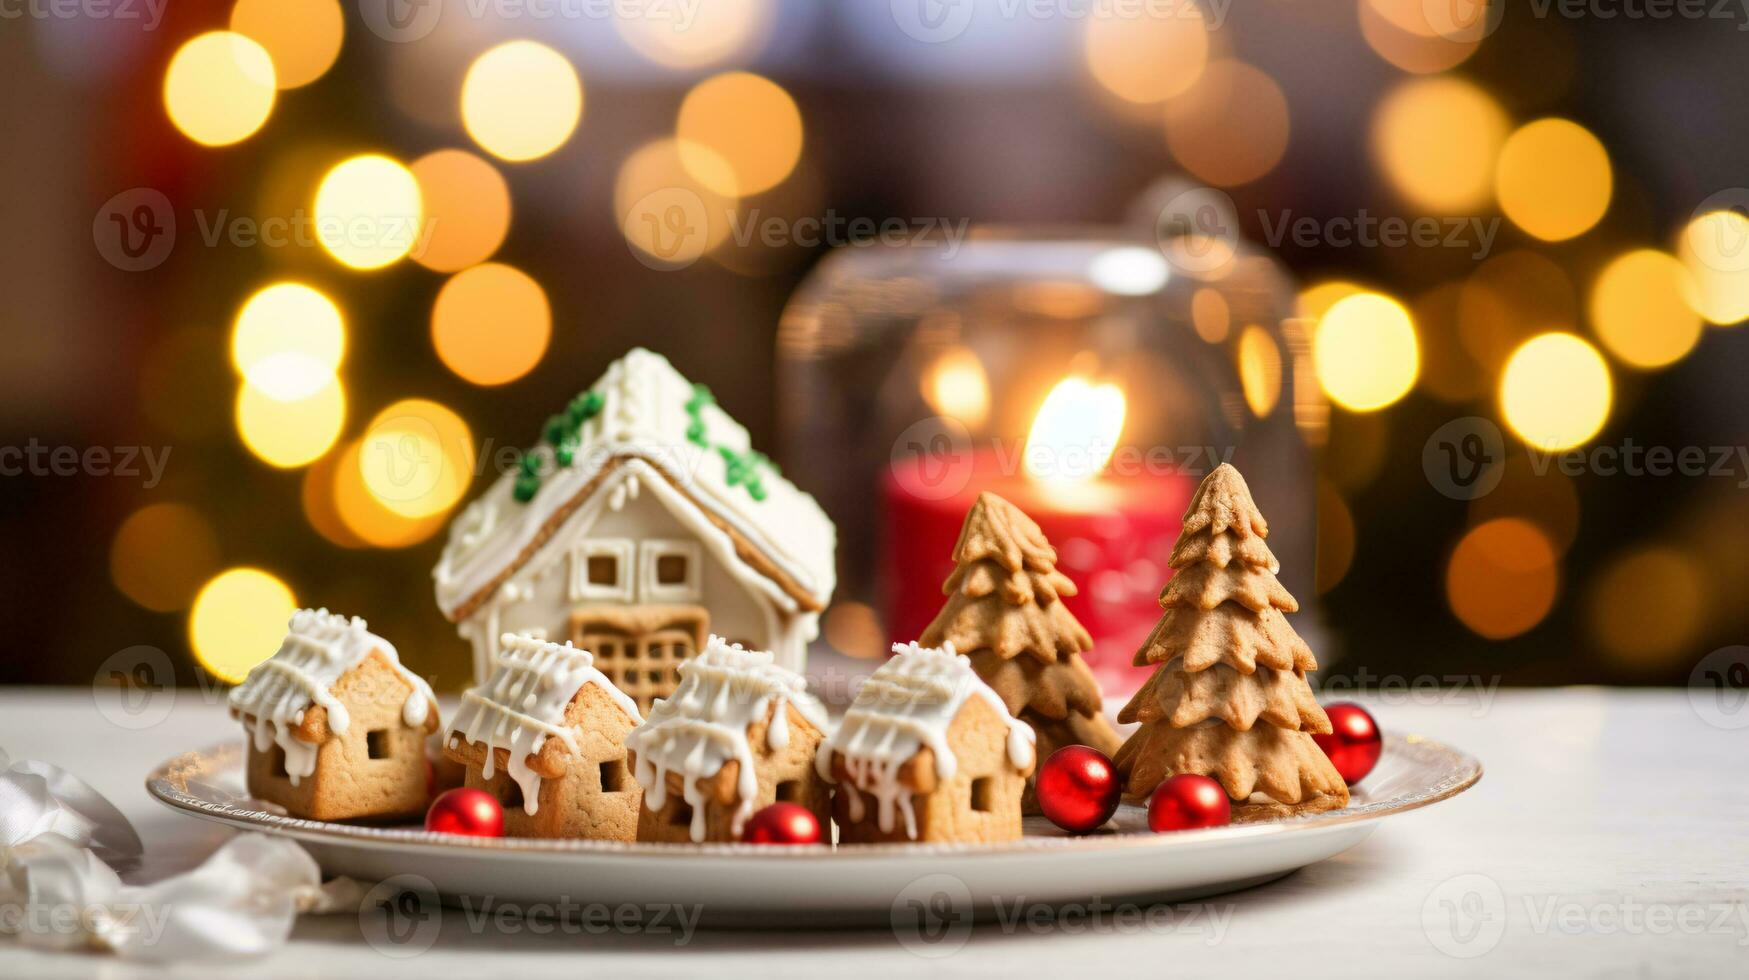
<point x="245" y="242"/>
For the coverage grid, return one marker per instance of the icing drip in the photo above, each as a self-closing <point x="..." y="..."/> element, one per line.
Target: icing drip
<point x="907" y="705"/>
<point x="318" y="649"/>
<point x="703" y="726"/>
<point x="523" y="704"/>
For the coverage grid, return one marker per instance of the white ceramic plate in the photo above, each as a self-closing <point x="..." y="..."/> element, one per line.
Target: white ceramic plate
<point x="751" y="885"/>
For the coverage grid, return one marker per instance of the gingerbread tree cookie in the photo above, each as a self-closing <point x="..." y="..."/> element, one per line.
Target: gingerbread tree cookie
<point x="1230" y="698"/>
<point x="1004" y="611"/>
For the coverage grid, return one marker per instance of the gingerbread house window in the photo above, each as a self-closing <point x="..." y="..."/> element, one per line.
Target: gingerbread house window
<point x="376" y="743"/>
<point x="983" y="794"/>
<point x="669" y="571"/>
<point x="613" y="776"/>
<point x="789" y="791"/>
<point x="509" y="794"/>
<point x="602" y="570"/>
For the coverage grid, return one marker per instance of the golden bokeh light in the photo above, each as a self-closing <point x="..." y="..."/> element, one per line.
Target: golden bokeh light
<point x="318" y="498"/>
<point x="1420" y="52"/>
<point x="1259" y="370"/>
<point x="1501" y="580"/>
<point x="521" y="100"/>
<point x="1714" y="248"/>
<point x="1147" y="59"/>
<point x="699" y="35"/>
<point x="1366" y="352"/>
<point x="289" y="434"/>
<point x="956" y="386"/>
<point x="1535" y="490"/>
<point x="1639" y="308"/>
<point x="219" y="88"/>
<point x="1647" y="609"/>
<point x="1556" y="391"/>
<point x="1335" y="537"/>
<point x="161" y="554"/>
<point x="302" y="36"/>
<point x="491" y="324"/>
<point x="666" y="213"/>
<point x="1210" y="314"/>
<point x="1436" y="139"/>
<point x="416" y="458"/>
<point x="1231" y="127"/>
<point x="288" y="341"/>
<point x="238" y="620"/>
<point x="1553" y="179"/>
<point x="369" y="213"/>
<point x="1510" y="298"/>
<point x="466" y="203"/>
<point x="1315" y="301"/>
<point x="854" y="629"/>
<point x="746" y="121"/>
<point x="365" y="517"/>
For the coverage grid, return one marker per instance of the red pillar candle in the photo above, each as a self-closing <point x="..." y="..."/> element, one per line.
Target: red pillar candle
<point x="1113" y="534"/>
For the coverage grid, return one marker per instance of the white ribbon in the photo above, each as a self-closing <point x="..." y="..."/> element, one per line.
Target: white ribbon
<point x="60" y="842"/>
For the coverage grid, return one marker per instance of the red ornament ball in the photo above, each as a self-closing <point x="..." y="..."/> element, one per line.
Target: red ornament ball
<point x="1354" y="742"/>
<point x="1188" y="802"/>
<point x="782" y="823"/>
<point x="470" y="812"/>
<point x="1078" y="788"/>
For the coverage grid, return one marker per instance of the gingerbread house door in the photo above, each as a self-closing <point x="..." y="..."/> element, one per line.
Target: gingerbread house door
<point x="639" y="648"/>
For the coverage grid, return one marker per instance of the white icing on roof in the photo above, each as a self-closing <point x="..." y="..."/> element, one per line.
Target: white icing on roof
<point x="523" y="703"/>
<point x="318" y="650"/>
<point x="908" y="704"/>
<point x="643" y="415"/>
<point x="722" y="691"/>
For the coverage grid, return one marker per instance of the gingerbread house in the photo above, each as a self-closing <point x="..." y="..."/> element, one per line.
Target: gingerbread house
<point x="738" y="734"/>
<point x="642" y="523"/>
<point x="337" y="725"/>
<point x="546" y="735"/>
<point x="927" y="752"/>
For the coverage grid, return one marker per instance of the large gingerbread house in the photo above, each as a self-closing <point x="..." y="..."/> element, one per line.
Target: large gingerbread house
<point x="642" y="523"/>
<point x="546" y="735"/>
<point x="337" y="726"/>
<point x="740" y="733"/>
<point x="927" y="752"/>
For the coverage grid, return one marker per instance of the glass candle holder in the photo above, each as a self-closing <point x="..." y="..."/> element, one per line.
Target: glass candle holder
<point x="1090" y="376"/>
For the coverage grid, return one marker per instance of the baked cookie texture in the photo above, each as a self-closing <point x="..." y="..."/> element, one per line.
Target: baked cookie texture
<point x="546" y="735"/>
<point x="928" y="752"/>
<point x="1229" y="699"/>
<point x="1004" y="611"/>
<point x="337" y="726"/>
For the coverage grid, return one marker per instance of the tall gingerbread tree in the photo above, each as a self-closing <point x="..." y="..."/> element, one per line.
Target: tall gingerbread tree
<point x="1230" y="698"/>
<point x="1004" y="610"/>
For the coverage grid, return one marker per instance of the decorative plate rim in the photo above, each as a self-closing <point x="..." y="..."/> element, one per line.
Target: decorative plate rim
<point x="1460" y="771"/>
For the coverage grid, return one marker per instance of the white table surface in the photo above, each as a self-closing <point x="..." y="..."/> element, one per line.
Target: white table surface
<point x="1610" y="835"/>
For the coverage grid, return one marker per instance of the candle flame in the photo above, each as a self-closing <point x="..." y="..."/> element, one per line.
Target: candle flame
<point x="1075" y="431"/>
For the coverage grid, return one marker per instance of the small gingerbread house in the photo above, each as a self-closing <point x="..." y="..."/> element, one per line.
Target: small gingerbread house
<point x="927" y="752"/>
<point x="738" y="734"/>
<point x="337" y="725"/>
<point x="546" y="735"/>
<point x="642" y="523"/>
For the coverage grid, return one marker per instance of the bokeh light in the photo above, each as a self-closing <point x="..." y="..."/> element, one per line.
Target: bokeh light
<point x="854" y="629"/>
<point x="1315" y="300"/>
<point x="288" y="434"/>
<point x="1640" y="310"/>
<point x="416" y="458"/>
<point x="318" y="498"/>
<point x="1147" y="59"/>
<point x="665" y="212"/>
<point x="1556" y="391"/>
<point x="1501" y="580"/>
<point x="161" y="554"/>
<point x="1553" y="179"/>
<point x="521" y="100"/>
<point x="1437" y="140"/>
<point x="288" y="341"/>
<point x="1647" y="608"/>
<point x="1420" y="51"/>
<point x="1535" y="491"/>
<point x="1210" y="314"/>
<point x="1714" y="248"/>
<point x="491" y="324"/>
<point x="956" y="386"/>
<point x="238" y="620"/>
<point x="302" y="36"/>
<point x="1366" y="353"/>
<point x="1231" y="127"/>
<point x="699" y="35"/>
<point x="219" y="88"/>
<point x="1259" y="370"/>
<point x="1335" y="537"/>
<point x="365" y="517"/>
<point x="745" y="121"/>
<point x="368" y="211"/>
<point x="466" y="204"/>
<point x="1510" y="298"/>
